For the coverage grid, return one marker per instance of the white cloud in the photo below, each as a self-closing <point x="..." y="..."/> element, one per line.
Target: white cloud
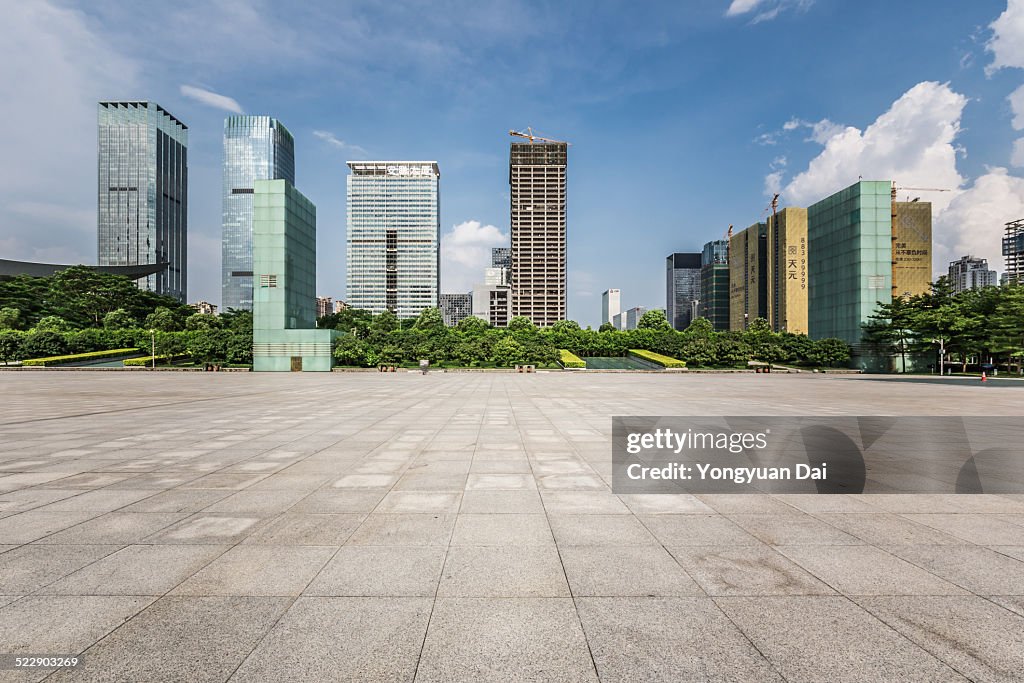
<point x="911" y="143"/>
<point x="211" y="99"/>
<point x="54" y="67"/>
<point x="766" y="9"/>
<point x="820" y="131"/>
<point x="466" y="252"/>
<point x="1007" y="42"/>
<point x="914" y="144"/>
<point x="738" y="7"/>
<point x="1017" y="156"/>
<point x="1016" y="99"/>
<point x="334" y="141"/>
<point x="974" y="221"/>
<point x="773" y="181"/>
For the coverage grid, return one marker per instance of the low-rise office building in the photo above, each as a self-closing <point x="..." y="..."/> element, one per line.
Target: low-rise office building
<point x="284" y="282"/>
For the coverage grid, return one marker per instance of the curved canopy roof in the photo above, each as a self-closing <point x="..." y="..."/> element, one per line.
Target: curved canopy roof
<point x="14" y="268"/>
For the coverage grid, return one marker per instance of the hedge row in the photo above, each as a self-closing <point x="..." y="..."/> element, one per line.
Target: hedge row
<point x="163" y="359"/>
<point x="77" y="357"/>
<point x="570" y="359"/>
<point x="657" y="358"/>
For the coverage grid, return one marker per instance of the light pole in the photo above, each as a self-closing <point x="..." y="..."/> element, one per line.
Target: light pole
<point x="152" y="334"/>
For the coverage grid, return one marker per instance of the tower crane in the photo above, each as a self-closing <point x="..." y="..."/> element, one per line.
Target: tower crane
<point x="917" y="189"/>
<point x="531" y="137"/>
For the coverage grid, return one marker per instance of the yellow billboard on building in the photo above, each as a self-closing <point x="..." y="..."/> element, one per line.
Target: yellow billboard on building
<point x="787" y="270"/>
<point x="748" y="276"/>
<point x="911" y="248"/>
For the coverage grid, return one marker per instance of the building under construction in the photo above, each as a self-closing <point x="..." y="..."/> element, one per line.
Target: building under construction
<point x="1013" y="251"/>
<point x="537" y="182"/>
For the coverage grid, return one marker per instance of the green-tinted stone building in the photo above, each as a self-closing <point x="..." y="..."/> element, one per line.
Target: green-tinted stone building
<point x="850" y="263"/>
<point x="284" y="282"/>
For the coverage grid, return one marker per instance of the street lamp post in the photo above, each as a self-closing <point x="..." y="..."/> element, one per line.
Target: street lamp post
<point x="152" y="358"/>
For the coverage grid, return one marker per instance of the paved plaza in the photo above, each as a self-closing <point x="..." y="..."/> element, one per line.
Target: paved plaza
<point x="461" y="527"/>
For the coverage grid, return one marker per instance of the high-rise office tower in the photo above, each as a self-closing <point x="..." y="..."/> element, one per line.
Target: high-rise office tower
<point x="787" y="270"/>
<point x="501" y="257"/>
<point x="714" y="284"/>
<point x="537" y="181"/>
<point x="631" y="317"/>
<point x="255" y="148"/>
<point x="611" y="305"/>
<point x="1013" y="250"/>
<point x="324" y="306"/>
<point x="455" y="307"/>
<point x="394" y="229"/>
<point x="492" y="303"/>
<point x="682" y="288"/>
<point x="969" y="272"/>
<point x="768" y="273"/>
<point x="748" y="276"/>
<point x="142" y="204"/>
<point x="501" y="264"/>
<point x="911" y="248"/>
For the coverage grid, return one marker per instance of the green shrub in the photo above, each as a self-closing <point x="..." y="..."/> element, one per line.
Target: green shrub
<point x="77" y="357"/>
<point x="657" y="358"/>
<point x="43" y="345"/>
<point x="570" y="360"/>
<point x="10" y="345"/>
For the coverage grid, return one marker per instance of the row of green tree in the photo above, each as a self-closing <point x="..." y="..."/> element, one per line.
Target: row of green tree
<point x="975" y="326"/>
<point x="80" y="310"/>
<point x="370" y="340"/>
<point x="84" y="298"/>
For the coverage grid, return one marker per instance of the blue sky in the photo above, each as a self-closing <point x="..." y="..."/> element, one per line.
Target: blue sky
<point x="682" y="115"/>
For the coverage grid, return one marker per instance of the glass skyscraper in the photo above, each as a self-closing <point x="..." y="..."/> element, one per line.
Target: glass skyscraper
<point x="682" y="288"/>
<point x="142" y="198"/>
<point x="255" y="148"/>
<point x="394" y="227"/>
<point x="714" y="284"/>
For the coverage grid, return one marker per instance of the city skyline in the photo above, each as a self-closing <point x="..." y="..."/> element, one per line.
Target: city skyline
<point x="807" y="137"/>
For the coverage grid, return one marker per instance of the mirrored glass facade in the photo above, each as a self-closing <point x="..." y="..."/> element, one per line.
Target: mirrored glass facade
<point x="393" y="245"/>
<point x="682" y="288"/>
<point x="142" y="214"/>
<point x="850" y="261"/>
<point x="714" y="284"/>
<point x="255" y="148"/>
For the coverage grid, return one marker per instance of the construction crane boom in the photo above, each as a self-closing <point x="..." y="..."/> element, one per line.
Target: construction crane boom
<point x="531" y="137"/>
